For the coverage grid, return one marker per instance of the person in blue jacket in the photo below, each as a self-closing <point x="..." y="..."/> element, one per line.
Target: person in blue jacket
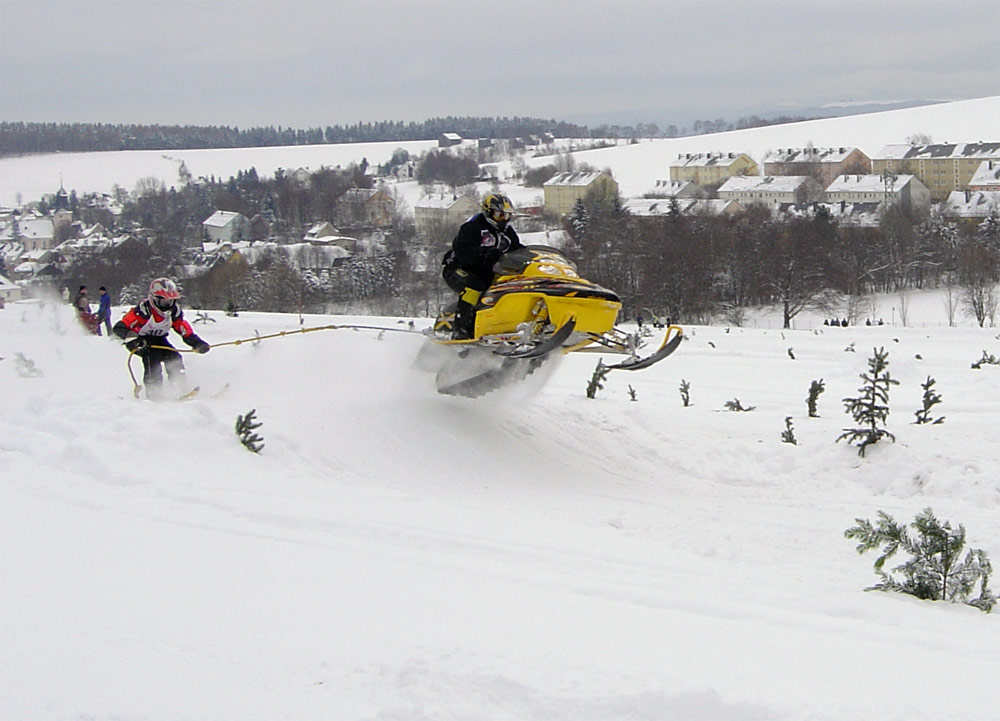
<point x="104" y="311"/>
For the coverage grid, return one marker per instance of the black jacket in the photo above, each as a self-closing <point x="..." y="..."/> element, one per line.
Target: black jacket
<point x="479" y="245"/>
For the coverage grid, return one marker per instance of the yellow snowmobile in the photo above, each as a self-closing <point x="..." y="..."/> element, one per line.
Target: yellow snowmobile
<point x="537" y="304"/>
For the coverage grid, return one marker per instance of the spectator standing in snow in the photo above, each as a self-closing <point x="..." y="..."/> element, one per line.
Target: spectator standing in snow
<point x="104" y="311"/>
<point x="81" y="302"/>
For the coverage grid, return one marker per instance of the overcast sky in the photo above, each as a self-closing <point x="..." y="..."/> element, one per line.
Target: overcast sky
<point x="300" y="63"/>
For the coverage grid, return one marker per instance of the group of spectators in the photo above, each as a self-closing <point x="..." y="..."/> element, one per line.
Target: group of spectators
<point x="82" y="304"/>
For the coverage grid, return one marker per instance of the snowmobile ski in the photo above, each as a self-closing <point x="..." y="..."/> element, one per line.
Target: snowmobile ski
<point x="490" y="373"/>
<point x="668" y="347"/>
<point x="544" y="347"/>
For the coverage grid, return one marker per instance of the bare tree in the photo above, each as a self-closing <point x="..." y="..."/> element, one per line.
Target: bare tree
<point x="977" y="272"/>
<point x="904" y="307"/>
<point x="951" y="302"/>
<point x="796" y="268"/>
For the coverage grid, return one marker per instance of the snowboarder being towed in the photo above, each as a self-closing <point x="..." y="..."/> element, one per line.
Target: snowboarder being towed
<point x="145" y="328"/>
<point x="468" y="266"/>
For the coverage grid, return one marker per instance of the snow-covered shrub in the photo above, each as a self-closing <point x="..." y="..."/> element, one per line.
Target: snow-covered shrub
<point x="931" y="398"/>
<point x="935" y="569"/>
<point x="815" y="388"/>
<point x="597" y="379"/>
<point x="871" y="408"/>
<point x="245" y="429"/>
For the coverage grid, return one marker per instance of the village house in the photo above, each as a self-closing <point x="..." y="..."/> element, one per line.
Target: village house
<point x="657" y="207"/>
<point x="712" y="168"/>
<point x="563" y="190"/>
<point x="260" y="229"/>
<point x="907" y="190"/>
<point x="368" y="207"/>
<point x="9" y="291"/>
<point x="438" y="211"/>
<point x="771" y="190"/>
<point x="324" y="234"/>
<point x="302" y="176"/>
<point x="446" y="140"/>
<point x="823" y="164"/>
<point x="34" y="262"/>
<point x="942" y="167"/>
<point x="35" y="232"/>
<point x="986" y="177"/>
<point x="857" y="214"/>
<point x="678" y="189"/>
<point x="224" y="226"/>
<point x="970" y="208"/>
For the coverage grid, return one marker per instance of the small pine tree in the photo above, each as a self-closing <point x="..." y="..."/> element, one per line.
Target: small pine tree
<point x="935" y="570"/>
<point x="871" y="408"/>
<point x="815" y="388"/>
<point x="987" y="359"/>
<point x="597" y="379"/>
<point x="631" y="393"/>
<point x="685" y="392"/>
<point x="735" y="405"/>
<point x="245" y="427"/>
<point x="931" y="398"/>
<point x="788" y="435"/>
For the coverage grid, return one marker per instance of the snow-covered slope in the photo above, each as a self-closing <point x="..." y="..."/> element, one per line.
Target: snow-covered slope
<point x="396" y="554"/>
<point x="638" y="167"/>
<point x="635" y="167"/>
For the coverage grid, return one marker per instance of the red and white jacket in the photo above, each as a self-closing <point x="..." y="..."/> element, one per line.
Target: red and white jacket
<point x="146" y="319"/>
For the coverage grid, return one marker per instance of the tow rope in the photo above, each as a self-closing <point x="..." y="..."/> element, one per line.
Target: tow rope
<point x="137" y="387"/>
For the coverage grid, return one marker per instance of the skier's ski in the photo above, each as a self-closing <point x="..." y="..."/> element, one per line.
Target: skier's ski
<point x="190" y="394"/>
<point x="220" y="392"/>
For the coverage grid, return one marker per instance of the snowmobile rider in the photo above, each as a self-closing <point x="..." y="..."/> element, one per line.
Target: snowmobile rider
<point x="145" y="329"/>
<point x="468" y="266"/>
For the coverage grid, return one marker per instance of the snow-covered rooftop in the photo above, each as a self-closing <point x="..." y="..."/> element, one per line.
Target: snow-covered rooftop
<point x="692" y="160"/>
<point x="578" y="178"/>
<point x="220" y="219"/>
<point x="870" y="183"/>
<point x="647" y="207"/>
<point x="438" y="200"/>
<point x="809" y="155"/>
<point x="939" y="150"/>
<point x="988" y="174"/>
<point x="965" y="204"/>
<point x="672" y="187"/>
<point x="768" y="183"/>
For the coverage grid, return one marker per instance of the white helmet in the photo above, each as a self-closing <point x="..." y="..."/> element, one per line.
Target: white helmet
<point x="163" y="293"/>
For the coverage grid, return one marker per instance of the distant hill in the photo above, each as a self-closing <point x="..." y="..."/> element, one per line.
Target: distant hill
<point x="684" y="118"/>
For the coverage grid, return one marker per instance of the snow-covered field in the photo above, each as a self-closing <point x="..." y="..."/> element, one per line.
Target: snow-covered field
<point x="533" y="554"/>
<point x="635" y="167"/>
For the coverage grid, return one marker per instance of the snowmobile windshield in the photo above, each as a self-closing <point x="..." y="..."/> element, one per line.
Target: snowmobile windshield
<point x="516" y="261"/>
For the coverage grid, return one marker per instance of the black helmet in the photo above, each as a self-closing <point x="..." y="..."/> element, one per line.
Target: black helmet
<point x="497" y="209"/>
